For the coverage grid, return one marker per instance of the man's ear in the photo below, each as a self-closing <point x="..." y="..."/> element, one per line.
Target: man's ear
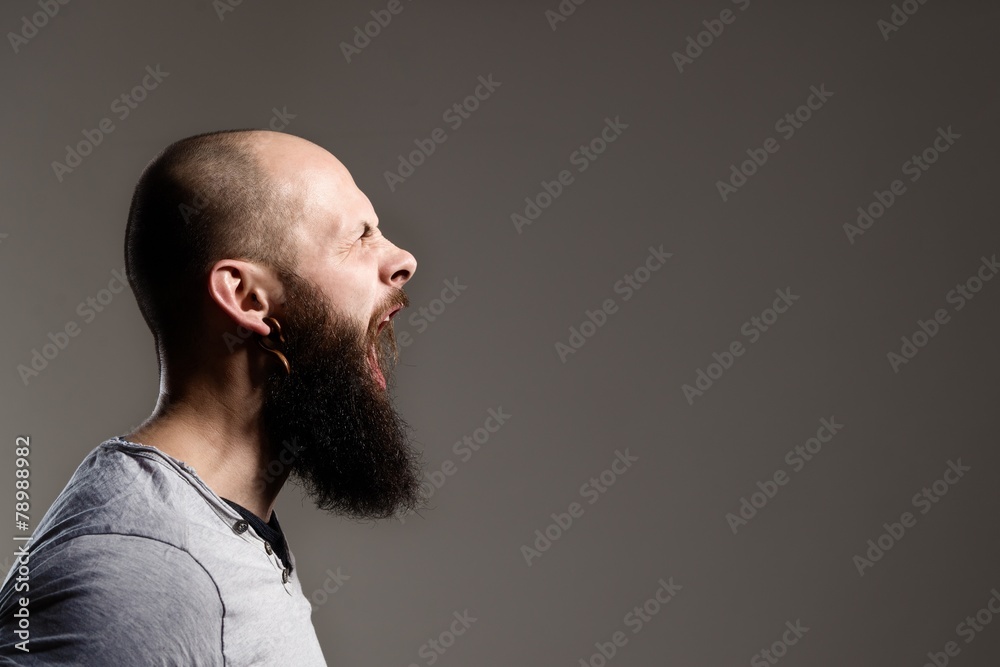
<point x="244" y="291"/>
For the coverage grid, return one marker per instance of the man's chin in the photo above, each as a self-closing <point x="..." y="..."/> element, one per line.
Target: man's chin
<point x="357" y="459"/>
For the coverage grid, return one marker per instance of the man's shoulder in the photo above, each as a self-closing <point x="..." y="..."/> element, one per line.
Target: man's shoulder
<point x="125" y="489"/>
<point x="115" y="596"/>
<point x="115" y="556"/>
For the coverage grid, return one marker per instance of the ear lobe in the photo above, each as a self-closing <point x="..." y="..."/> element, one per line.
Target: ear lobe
<point x="242" y="291"/>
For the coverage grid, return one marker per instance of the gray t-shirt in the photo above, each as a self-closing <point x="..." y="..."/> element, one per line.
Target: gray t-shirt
<point x="139" y="562"/>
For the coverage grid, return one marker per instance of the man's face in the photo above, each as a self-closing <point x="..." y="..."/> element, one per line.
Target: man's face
<point x="356" y="458"/>
<point x="337" y="240"/>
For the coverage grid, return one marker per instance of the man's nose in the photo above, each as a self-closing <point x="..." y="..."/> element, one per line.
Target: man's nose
<point x="398" y="267"/>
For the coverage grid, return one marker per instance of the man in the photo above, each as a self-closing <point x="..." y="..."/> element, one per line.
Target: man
<point x="269" y="288"/>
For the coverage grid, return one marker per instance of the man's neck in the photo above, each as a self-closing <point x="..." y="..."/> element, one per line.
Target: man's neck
<point x="226" y="450"/>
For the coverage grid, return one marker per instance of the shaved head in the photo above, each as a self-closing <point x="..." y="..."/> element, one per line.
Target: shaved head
<point x="202" y="199"/>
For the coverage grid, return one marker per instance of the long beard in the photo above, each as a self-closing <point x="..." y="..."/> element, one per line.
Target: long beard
<point x="350" y="448"/>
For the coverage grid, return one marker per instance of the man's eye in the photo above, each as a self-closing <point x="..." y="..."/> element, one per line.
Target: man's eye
<point x="368" y="232"/>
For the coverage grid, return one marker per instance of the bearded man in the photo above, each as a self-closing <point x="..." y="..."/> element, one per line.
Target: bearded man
<point x="270" y="289"/>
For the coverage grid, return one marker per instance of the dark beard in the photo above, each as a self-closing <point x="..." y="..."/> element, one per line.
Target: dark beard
<point x="350" y="449"/>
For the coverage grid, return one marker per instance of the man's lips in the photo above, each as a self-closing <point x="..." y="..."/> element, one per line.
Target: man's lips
<point x="388" y="316"/>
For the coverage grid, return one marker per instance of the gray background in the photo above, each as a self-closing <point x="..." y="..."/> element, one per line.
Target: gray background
<point x="495" y="345"/>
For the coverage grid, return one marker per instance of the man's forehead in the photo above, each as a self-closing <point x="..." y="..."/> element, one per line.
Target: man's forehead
<point x="322" y="188"/>
<point x="333" y="206"/>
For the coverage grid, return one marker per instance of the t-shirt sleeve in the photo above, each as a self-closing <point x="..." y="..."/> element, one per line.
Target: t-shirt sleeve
<point x="113" y="600"/>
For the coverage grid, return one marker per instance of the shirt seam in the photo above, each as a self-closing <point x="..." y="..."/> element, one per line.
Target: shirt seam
<point x="222" y="625"/>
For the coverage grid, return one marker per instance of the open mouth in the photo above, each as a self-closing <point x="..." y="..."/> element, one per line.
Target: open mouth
<point x="388" y="316"/>
<point x="373" y="348"/>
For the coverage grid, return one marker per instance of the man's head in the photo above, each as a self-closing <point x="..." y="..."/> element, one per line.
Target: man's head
<point x="228" y="229"/>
